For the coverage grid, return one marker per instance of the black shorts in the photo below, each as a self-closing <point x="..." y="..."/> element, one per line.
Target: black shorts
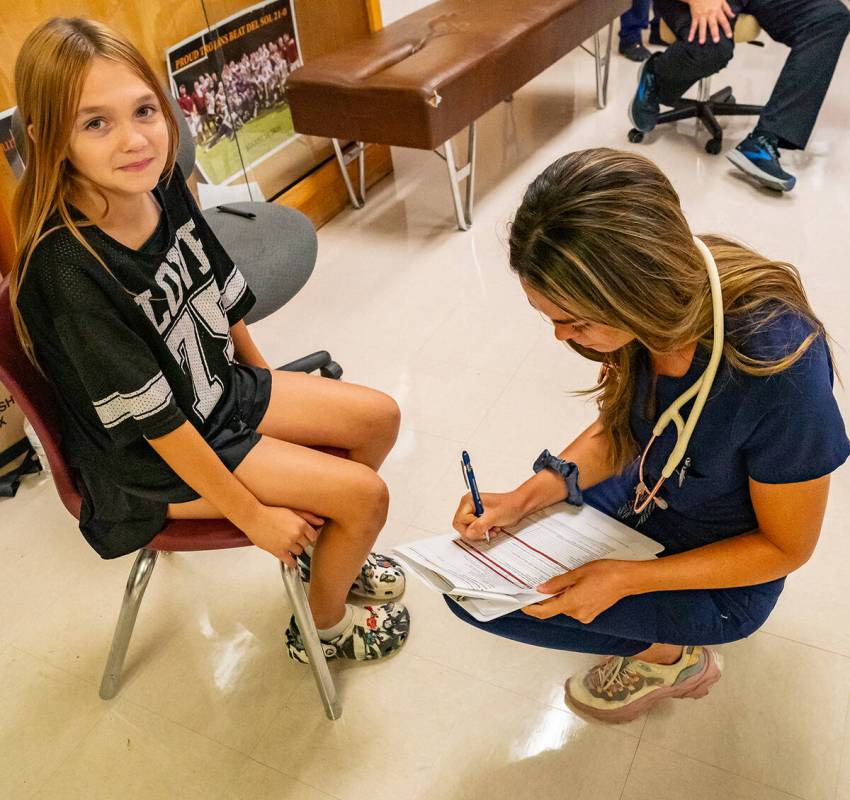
<point x="118" y="518"/>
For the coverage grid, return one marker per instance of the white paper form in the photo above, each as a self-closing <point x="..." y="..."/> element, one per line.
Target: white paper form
<point x="547" y="544"/>
<point x="457" y="565"/>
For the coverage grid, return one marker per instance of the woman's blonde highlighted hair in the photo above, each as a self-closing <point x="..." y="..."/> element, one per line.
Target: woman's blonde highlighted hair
<point x="50" y="71"/>
<point x="601" y="234"/>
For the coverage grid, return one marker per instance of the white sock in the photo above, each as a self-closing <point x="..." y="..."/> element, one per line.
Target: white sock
<point x="326" y="634"/>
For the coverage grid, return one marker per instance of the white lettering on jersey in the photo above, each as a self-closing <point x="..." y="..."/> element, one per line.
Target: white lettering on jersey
<point x="184" y="234"/>
<point x="176" y="257"/>
<point x="184" y="344"/>
<point x="173" y="288"/>
<point x="186" y="325"/>
<point x="144" y="300"/>
<point x="203" y="311"/>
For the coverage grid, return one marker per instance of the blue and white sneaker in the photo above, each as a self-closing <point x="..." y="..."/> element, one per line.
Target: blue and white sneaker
<point x="758" y="156"/>
<point x="644" y="109"/>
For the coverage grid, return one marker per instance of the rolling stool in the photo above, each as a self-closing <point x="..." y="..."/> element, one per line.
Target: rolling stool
<point x="707" y="107"/>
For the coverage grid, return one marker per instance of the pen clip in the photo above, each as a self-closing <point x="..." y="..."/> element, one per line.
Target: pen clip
<point x="465" y="476"/>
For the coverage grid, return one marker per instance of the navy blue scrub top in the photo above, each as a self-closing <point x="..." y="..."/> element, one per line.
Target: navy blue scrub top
<point x="784" y="428"/>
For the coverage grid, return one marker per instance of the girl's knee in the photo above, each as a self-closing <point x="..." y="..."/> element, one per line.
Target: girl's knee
<point x="388" y="414"/>
<point x="369" y="496"/>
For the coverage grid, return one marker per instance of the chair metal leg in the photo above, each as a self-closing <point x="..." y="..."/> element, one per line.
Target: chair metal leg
<point x="463" y="210"/>
<point x="357" y="151"/>
<point x="470" y="180"/>
<point x="603" y="66"/>
<point x="310" y="637"/>
<point x="137" y="582"/>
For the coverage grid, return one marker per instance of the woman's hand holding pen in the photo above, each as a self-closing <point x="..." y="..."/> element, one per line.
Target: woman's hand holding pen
<point x="500" y="511"/>
<point x="282" y="532"/>
<point x="585" y="592"/>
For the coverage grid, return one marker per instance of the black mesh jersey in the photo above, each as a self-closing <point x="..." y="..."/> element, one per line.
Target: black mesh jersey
<point x="139" y="347"/>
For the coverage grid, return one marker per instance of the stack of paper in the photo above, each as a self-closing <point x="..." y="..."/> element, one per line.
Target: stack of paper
<point x="491" y="580"/>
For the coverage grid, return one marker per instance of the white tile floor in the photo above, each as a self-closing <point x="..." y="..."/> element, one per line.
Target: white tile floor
<point x="211" y="707"/>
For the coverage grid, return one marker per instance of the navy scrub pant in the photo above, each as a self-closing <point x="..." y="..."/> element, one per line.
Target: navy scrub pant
<point x="685" y="617"/>
<point x="815" y="31"/>
<point x="633" y="22"/>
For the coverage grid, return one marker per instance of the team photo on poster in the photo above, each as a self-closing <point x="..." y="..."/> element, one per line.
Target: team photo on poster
<point x="230" y="84"/>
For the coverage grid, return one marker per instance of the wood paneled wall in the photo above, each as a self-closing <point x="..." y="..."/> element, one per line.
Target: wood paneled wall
<point x="154" y="25"/>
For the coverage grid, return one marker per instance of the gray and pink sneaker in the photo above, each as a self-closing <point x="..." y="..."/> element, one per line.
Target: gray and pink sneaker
<point x="622" y="688"/>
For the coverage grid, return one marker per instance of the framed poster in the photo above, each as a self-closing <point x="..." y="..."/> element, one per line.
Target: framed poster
<point x="10" y="150"/>
<point x="230" y="84"/>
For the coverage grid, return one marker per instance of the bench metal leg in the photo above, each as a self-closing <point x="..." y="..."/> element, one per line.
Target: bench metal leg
<point x="603" y="66"/>
<point x="463" y="210"/>
<point x="358" y="151"/>
<point x="310" y="637"/>
<point x="133" y="594"/>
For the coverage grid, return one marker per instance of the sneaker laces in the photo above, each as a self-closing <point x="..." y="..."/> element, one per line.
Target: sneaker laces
<point x="768" y="144"/>
<point x="616" y="673"/>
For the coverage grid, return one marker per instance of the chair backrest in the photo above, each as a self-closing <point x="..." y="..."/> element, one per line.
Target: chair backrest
<point x="37" y="400"/>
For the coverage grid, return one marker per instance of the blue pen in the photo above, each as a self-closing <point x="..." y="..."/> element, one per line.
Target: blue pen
<point x="472" y="484"/>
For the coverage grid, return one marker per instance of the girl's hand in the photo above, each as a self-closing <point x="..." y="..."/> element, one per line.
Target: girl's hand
<point x="500" y="511"/>
<point x="282" y="532"/>
<point x="585" y="592"/>
<point x="314" y="519"/>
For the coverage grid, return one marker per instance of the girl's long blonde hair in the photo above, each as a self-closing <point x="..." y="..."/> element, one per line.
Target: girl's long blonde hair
<point x="601" y="234"/>
<point x="50" y="71"/>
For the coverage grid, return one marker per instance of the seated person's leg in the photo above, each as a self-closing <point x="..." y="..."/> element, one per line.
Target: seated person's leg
<point x="655" y="30"/>
<point x="632" y="24"/>
<point x="285" y="476"/>
<point x="668" y="75"/>
<point x="815" y="31"/>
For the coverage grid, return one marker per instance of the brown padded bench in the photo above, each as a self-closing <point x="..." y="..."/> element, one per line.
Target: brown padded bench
<point x="421" y="80"/>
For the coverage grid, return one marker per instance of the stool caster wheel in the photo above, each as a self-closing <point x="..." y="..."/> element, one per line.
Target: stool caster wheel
<point x="713" y="146"/>
<point x="635" y="136"/>
<point x="331" y="370"/>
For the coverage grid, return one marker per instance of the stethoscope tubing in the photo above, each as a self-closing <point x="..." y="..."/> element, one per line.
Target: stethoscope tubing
<point x="700" y="388"/>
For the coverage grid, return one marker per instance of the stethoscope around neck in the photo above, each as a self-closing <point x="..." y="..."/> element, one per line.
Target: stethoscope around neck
<point x="700" y="387"/>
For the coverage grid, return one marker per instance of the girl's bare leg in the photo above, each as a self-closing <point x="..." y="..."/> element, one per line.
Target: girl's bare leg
<point x="282" y="471"/>
<point x="313" y="411"/>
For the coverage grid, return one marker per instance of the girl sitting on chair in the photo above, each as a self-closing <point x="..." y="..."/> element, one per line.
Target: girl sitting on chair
<point x="127" y="302"/>
<point x="603" y="250"/>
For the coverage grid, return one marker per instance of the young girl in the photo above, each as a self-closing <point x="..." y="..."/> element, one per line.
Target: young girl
<point x="130" y="306"/>
<point x="602" y="249"/>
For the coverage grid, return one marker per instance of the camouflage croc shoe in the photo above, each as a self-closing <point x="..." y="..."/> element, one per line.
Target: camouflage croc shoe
<point x="381" y="578"/>
<point x="375" y="632"/>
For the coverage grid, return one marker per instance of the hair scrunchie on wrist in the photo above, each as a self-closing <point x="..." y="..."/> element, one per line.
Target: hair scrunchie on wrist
<point x="566" y="469"/>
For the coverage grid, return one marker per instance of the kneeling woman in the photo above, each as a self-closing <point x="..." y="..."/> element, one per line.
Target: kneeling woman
<point x="602" y="249"/>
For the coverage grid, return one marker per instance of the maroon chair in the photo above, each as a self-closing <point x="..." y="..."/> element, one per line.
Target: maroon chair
<point x="36" y="398"/>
